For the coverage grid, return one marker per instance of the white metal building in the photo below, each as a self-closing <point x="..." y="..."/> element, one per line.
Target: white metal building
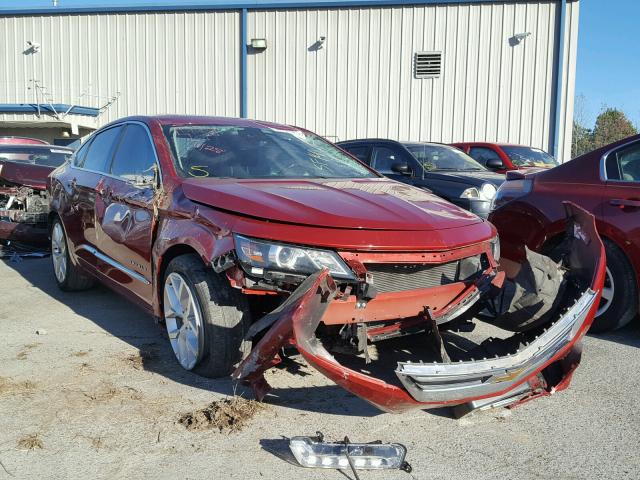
<point x="438" y="70"/>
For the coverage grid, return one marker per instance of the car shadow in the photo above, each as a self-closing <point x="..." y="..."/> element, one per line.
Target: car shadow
<point x="124" y="320"/>
<point x="628" y="335"/>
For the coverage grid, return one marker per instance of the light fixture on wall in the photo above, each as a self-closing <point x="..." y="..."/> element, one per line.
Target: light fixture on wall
<point x="318" y="44"/>
<point x="518" y="38"/>
<point x="32" y="47"/>
<point x="258" y="44"/>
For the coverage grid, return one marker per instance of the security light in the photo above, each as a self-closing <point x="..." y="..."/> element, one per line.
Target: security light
<point x="518" y="38"/>
<point x="259" y="43"/>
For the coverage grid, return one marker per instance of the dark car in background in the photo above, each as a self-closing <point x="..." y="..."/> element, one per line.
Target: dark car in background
<point x="442" y="169"/>
<point x="24" y="203"/>
<point x="605" y="182"/>
<point x="502" y="157"/>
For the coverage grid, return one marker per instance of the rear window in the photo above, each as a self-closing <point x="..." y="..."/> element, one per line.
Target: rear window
<point x="48" y="157"/>
<point x="222" y="151"/>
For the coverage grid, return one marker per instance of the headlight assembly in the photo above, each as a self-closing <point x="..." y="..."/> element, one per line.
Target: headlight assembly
<point x="486" y="192"/>
<point x="259" y="255"/>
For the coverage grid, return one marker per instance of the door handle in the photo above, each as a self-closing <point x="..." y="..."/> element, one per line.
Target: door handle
<point x="623" y="202"/>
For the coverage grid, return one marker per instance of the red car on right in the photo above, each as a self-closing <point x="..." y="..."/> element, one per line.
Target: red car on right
<point x="502" y="157"/>
<point x="528" y="211"/>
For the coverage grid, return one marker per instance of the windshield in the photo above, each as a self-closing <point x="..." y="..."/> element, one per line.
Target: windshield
<point x="48" y="157"/>
<point x="529" y="157"/>
<point x="440" y="157"/>
<point x="222" y="151"/>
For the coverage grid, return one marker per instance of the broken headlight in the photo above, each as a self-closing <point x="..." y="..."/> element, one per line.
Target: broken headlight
<point x="313" y="452"/>
<point x="260" y="255"/>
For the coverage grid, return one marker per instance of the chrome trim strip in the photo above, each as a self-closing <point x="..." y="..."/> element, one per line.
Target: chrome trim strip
<point x="114" y="264"/>
<point x="438" y="382"/>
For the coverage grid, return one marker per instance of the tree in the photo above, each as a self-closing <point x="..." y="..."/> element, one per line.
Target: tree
<point x="611" y="125"/>
<point x="582" y="140"/>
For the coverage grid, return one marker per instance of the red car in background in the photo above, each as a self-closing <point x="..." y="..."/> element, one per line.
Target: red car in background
<point x="606" y="182"/>
<point x="502" y="157"/>
<point x="21" y="141"/>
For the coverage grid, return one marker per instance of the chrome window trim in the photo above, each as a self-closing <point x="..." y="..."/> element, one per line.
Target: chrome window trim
<point x="603" y="162"/>
<point x="114" y="264"/>
<point x="122" y="124"/>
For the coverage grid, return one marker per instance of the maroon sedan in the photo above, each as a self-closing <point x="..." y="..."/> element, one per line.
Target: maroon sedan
<point x="246" y="237"/>
<point x="24" y="203"/>
<point x="502" y="157"/>
<point x="606" y="182"/>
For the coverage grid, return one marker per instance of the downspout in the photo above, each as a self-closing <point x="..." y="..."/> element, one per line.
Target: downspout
<point x="243" y="63"/>
<point x="559" y="81"/>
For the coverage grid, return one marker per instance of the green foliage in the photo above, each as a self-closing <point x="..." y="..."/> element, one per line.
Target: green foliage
<point x="611" y="125"/>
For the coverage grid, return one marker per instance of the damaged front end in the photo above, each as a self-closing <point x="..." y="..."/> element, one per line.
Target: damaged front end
<point x="24" y="209"/>
<point x="530" y="316"/>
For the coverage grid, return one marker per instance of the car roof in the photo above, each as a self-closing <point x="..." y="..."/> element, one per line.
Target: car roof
<point x="179" y="120"/>
<point x="32" y="146"/>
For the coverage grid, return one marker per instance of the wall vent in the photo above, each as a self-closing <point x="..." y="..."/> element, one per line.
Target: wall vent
<point x="427" y="64"/>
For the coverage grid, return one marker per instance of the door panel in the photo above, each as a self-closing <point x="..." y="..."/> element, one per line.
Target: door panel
<point x="124" y="213"/>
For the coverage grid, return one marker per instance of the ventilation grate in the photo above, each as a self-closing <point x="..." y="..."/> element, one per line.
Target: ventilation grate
<point x="427" y="64"/>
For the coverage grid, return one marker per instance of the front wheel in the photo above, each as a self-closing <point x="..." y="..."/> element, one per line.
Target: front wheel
<point x="206" y="319"/>
<point x="68" y="276"/>
<point x="619" y="302"/>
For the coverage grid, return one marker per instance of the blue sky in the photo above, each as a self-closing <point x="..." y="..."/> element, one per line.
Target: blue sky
<point x="608" y="71"/>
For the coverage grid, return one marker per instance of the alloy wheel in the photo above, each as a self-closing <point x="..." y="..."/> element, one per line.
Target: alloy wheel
<point x="59" y="252"/>
<point x="608" y="292"/>
<point x="183" y="321"/>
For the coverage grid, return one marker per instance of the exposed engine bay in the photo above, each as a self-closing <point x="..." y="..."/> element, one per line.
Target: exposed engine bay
<point x="23" y="213"/>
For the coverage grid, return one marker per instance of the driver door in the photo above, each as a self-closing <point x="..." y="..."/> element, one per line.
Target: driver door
<point x="125" y="213"/>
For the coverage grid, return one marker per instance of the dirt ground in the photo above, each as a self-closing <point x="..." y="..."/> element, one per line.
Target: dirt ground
<point x="89" y="389"/>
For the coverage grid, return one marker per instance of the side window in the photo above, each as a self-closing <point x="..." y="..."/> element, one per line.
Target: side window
<point x="624" y="164"/>
<point x="78" y="159"/>
<point x="482" y="154"/>
<point x="384" y="158"/>
<point x="101" y="150"/>
<point x="361" y="153"/>
<point x="134" y="159"/>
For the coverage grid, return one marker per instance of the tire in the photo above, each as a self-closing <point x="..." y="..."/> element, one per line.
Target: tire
<point x="217" y="314"/>
<point x="68" y="276"/>
<point x="623" y="304"/>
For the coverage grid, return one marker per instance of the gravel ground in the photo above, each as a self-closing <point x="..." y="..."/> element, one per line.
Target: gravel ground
<point x="97" y="394"/>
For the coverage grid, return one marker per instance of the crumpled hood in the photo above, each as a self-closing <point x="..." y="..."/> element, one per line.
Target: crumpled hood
<point x="372" y="203"/>
<point x="26" y="174"/>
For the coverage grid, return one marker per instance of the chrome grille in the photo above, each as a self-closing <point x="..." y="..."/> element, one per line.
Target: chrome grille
<point x="395" y="277"/>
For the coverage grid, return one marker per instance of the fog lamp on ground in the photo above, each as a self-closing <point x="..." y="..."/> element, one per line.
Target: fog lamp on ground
<point x="314" y="452"/>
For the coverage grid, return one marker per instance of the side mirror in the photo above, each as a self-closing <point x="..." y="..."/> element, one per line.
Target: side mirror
<point x="494" y="164"/>
<point x="402" y="168"/>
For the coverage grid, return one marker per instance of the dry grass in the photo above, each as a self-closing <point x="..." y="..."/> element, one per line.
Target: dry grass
<point x="22" y="354"/>
<point x="138" y="359"/>
<point x="228" y="415"/>
<point x="9" y="387"/>
<point x="30" y="442"/>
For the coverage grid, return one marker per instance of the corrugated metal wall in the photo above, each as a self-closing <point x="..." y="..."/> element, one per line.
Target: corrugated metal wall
<point x="173" y="62"/>
<point x="361" y="84"/>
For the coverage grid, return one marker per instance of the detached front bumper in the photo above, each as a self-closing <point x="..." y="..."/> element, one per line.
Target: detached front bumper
<point x="476" y="383"/>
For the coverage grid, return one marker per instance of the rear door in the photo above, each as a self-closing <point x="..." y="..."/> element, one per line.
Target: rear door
<point x="621" y="208"/>
<point x="125" y="214"/>
<point x="88" y="173"/>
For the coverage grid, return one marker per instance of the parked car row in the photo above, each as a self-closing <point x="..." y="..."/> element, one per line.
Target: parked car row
<point x="246" y="237"/>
